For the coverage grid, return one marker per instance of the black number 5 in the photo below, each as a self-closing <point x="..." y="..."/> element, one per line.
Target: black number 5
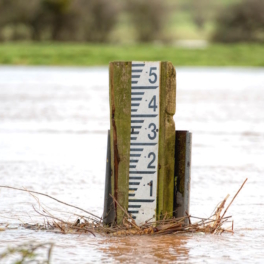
<point x="153" y="74"/>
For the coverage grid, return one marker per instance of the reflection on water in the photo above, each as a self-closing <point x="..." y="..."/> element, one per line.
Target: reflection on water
<point x="53" y="124"/>
<point x="146" y="249"/>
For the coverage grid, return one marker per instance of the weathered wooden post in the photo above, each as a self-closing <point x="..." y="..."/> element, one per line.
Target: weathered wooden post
<point x="142" y="140"/>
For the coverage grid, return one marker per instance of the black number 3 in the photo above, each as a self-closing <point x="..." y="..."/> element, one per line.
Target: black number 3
<point x="152" y="130"/>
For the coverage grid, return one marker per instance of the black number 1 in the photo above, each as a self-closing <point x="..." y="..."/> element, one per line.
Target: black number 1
<point x="150" y="185"/>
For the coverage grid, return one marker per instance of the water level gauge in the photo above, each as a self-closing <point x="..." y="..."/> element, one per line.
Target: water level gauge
<point x="144" y="140"/>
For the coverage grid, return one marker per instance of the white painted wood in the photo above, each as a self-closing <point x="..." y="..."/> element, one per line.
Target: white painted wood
<point x="145" y="87"/>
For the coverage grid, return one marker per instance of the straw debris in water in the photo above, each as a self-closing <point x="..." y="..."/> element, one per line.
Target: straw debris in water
<point x="90" y="223"/>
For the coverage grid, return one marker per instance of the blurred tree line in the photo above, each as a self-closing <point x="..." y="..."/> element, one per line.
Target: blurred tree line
<point x="242" y="21"/>
<point x="58" y="20"/>
<point x="94" y="20"/>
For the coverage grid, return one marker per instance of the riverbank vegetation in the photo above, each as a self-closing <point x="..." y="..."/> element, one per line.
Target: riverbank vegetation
<point x="76" y="54"/>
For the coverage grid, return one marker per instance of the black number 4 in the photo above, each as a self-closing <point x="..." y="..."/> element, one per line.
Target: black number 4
<point x="153" y="74"/>
<point x="153" y="104"/>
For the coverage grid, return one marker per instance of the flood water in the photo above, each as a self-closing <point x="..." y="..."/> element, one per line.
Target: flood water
<point x="53" y="132"/>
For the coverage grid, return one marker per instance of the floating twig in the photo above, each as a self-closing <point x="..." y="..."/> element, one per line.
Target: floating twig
<point x="235" y="197"/>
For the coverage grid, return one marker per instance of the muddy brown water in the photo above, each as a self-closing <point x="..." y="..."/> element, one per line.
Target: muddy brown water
<point x="53" y="124"/>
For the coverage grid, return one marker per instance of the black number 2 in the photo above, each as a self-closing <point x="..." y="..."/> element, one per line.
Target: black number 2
<point x="153" y="74"/>
<point x="150" y="166"/>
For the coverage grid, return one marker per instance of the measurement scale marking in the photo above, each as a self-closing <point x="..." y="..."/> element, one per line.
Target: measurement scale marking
<point x="133" y="161"/>
<point x="137" y="93"/>
<point x="142" y="172"/>
<point x="144" y="87"/>
<point x="132" y="212"/>
<point x="137" y="121"/>
<point x="135" y="155"/>
<point x="143" y="176"/>
<point x="133" y="138"/>
<point x="136" y="149"/>
<point x="136" y="70"/>
<point x="143" y="144"/>
<point x="143" y="116"/>
<point x="136" y="99"/>
<point x="134" y="104"/>
<point x="132" y="166"/>
<point x="135" y="76"/>
<point x="133" y="189"/>
<point x="131" y="194"/>
<point x="141" y="200"/>
<point x="138" y="64"/>
<point x="133" y="183"/>
<point x="134" y="206"/>
<point x="140" y="176"/>
<point x="135" y="178"/>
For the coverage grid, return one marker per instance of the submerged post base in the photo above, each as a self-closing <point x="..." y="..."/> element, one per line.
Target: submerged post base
<point x="182" y="172"/>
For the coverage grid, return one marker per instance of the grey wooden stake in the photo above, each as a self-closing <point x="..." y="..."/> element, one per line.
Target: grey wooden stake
<point x="183" y="144"/>
<point x="109" y="210"/>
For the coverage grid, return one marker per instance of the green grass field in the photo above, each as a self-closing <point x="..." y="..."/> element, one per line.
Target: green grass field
<point x="71" y="54"/>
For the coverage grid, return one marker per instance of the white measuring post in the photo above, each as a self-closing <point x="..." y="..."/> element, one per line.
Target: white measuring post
<point x="144" y="140"/>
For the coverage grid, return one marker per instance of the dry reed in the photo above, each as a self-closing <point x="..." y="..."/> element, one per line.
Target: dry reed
<point x="90" y="223"/>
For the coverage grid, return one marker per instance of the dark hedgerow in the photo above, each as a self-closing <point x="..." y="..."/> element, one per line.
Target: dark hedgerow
<point x="241" y="22"/>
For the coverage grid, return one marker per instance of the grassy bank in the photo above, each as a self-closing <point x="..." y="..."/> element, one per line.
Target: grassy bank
<point x="95" y="54"/>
